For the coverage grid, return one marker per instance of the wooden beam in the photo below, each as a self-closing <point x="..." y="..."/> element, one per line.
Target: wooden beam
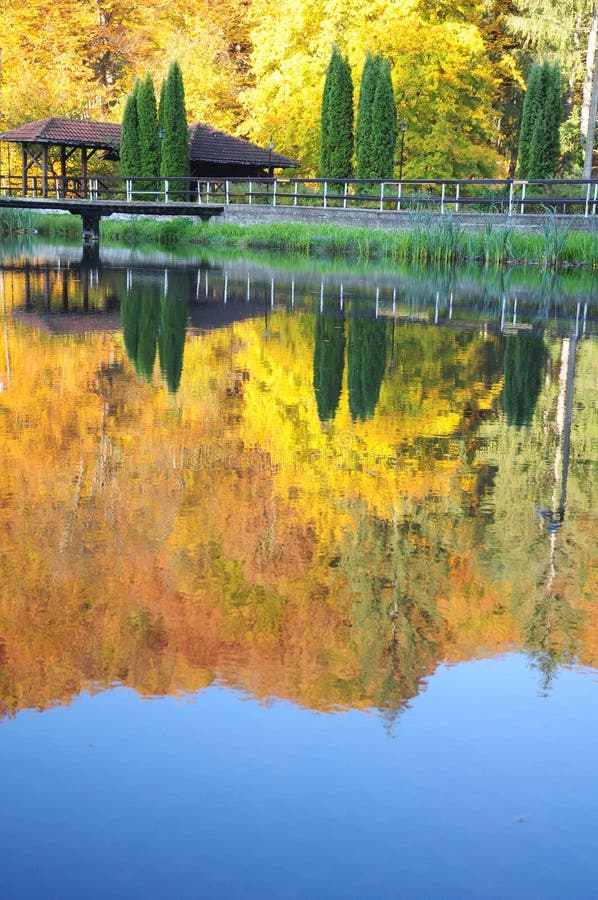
<point x="45" y="170"/>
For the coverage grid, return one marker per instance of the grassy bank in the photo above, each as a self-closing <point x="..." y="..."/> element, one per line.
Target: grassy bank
<point x="425" y="241"/>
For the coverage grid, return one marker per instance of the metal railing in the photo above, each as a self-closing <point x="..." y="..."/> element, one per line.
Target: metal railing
<point x="508" y="196"/>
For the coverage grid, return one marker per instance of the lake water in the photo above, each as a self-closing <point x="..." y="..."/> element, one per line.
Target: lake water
<point x="298" y="579"/>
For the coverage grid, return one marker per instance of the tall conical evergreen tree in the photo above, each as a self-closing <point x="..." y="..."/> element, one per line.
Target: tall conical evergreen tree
<point x="149" y="142"/>
<point x="539" y="141"/>
<point x="329" y="363"/>
<point x="336" y="134"/>
<point x="384" y="124"/>
<point x="130" y="158"/>
<point x="363" y="127"/>
<point x="366" y="352"/>
<point x="525" y="356"/>
<point x="175" y="133"/>
<point x="171" y="339"/>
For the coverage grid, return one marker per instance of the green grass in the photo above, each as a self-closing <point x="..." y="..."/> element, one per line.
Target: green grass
<point x="425" y="240"/>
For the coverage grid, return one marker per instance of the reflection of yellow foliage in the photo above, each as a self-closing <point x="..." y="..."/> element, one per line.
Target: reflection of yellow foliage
<point x="226" y="533"/>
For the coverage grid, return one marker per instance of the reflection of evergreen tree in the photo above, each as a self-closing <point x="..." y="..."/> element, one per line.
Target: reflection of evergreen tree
<point x="524" y="362"/>
<point x="149" y="321"/>
<point x="329" y="362"/>
<point x="366" y="352"/>
<point x="130" y="306"/>
<point x="171" y="341"/>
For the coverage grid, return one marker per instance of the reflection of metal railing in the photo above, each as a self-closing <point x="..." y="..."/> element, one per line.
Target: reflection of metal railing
<point x="507" y="196"/>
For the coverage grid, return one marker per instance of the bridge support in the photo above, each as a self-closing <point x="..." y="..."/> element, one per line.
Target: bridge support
<point x="91" y="228"/>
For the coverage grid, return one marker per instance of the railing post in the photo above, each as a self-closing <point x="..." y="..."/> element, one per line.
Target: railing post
<point x="166" y="190"/>
<point x="207" y="191"/>
<point x="274" y="183"/>
<point x="399" y="195"/>
<point x="510" y="213"/>
<point x="595" y="198"/>
<point x="442" y="196"/>
<point x="381" y="196"/>
<point x="346" y="188"/>
<point x="587" y="206"/>
<point x="295" y="193"/>
<point x="128" y="190"/>
<point x="522" y="206"/>
<point x="250" y="197"/>
<point x="226" y="193"/>
<point x="457" y="197"/>
<point x="325" y="194"/>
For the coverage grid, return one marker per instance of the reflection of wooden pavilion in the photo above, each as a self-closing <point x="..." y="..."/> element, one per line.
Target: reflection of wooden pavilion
<point x="213" y="153"/>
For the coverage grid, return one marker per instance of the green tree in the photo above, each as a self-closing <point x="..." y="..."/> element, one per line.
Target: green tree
<point x="363" y="127"/>
<point x="525" y="356"/>
<point x="149" y="324"/>
<point x="149" y="142"/>
<point x="336" y="127"/>
<point x="384" y="124"/>
<point x="539" y="142"/>
<point x="174" y="162"/>
<point x="329" y="363"/>
<point x="171" y="340"/>
<point x="366" y="351"/>
<point x="130" y="157"/>
<point x="531" y="111"/>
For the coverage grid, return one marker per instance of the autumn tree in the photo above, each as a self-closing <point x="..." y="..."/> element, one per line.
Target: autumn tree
<point x="174" y="162"/>
<point x="336" y="140"/>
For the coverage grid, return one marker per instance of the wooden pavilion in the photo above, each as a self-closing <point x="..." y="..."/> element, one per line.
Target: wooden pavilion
<point x="50" y="143"/>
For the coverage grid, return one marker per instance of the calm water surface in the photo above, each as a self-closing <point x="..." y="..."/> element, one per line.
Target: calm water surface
<point x="298" y="580"/>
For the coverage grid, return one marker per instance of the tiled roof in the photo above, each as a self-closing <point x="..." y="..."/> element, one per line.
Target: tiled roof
<point x="207" y="144"/>
<point x="70" y="132"/>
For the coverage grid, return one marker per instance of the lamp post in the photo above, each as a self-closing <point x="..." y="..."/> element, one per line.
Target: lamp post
<point x="270" y="149"/>
<point x="403" y="130"/>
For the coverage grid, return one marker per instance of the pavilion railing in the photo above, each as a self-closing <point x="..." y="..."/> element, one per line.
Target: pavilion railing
<point x="507" y="196"/>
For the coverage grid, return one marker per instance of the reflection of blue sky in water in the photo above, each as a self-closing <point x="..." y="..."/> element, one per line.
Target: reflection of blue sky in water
<point x="485" y="789"/>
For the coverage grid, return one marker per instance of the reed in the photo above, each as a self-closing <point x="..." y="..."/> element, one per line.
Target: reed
<point x="423" y="241"/>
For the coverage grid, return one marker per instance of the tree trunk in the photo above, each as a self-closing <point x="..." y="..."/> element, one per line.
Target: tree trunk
<point x="589" y="105"/>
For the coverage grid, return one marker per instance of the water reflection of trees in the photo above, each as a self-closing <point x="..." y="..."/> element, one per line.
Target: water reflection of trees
<point x="421" y="544"/>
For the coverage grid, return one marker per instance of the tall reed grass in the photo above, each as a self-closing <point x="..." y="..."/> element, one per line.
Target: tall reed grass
<point x="424" y="240"/>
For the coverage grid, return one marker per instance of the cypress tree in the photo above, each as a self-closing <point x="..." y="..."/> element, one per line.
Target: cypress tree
<point x="329" y="363"/>
<point x="147" y="341"/>
<point x="149" y="143"/>
<point x="384" y="124"/>
<point x="336" y="135"/>
<point x="130" y="159"/>
<point x="366" y="352"/>
<point x="363" y="127"/>
<point x="525" y="357"/>
<point x="539" y="142"/>
<point x="171" y="340"/>
<point x="531" y="106"/>
<point x="175" y="133"/>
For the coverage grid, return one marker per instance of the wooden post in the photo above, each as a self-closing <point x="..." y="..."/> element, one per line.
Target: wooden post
<point x="45" y="170"/>
<point x="84" y="171"/>
<point x="24" y="169"/>
<point x="63" y="171"/>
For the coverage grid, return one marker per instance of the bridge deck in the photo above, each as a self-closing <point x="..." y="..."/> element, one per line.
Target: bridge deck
<point x="100" y="208"/>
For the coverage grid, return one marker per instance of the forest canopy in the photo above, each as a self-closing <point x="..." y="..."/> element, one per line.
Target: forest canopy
<point x="257" y="70"/>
